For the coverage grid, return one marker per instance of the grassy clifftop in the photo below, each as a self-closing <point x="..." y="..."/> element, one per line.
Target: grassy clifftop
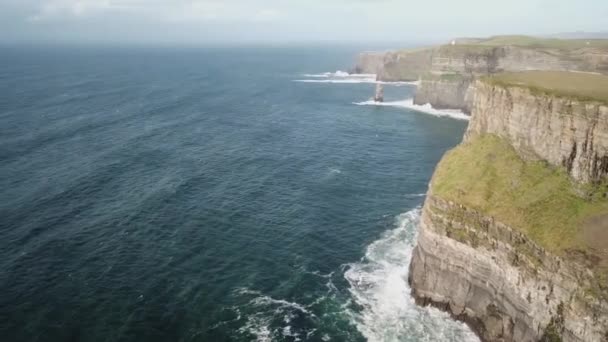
<point x="541" y="43"/>
<point x="487" y="174"/>
<point x="581" y="86"/>
<point x="484" y="44"/>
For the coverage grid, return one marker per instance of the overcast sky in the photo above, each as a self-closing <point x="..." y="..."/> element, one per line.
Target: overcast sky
<point x="202" y="21"/>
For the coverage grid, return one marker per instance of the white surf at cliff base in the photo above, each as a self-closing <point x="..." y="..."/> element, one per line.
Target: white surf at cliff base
<point x="339" y="73"/>
<point x="344" y="77"/>
<point x="427" y="108"/>
<point x="378" y="285"/>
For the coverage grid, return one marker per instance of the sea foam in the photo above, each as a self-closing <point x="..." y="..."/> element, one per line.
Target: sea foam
<point x="346" y="78"/>
<point x="265" y="311"/>
<point x="378" y="284"/>
<point x="339" y="73"/>
<point x="427" y="108"/>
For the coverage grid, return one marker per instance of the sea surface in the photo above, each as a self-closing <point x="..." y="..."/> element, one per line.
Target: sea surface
<point x="219" y="194"/>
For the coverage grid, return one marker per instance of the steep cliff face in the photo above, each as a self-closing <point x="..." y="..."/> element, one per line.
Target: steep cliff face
<point x="482" y="60"/>
<point x="514" y="231"/>
<point x="470" y="60"/>
<point x="446" y="93"/>
<point x="499" y="281"/>
<point x="410" y="65"/>
<point x="406" y="65"/>
<point x="369" y="63"/>
<point x="563" y="131"/>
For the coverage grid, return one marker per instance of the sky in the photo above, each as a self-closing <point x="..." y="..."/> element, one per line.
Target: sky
<point x="215" y="21"/>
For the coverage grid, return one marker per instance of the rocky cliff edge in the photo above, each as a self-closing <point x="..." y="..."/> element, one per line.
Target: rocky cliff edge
<point x="514" y="231"/>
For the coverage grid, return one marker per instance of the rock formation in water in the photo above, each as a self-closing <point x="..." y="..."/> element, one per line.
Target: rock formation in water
<point x="514" y="231"/>
<point x="471" y="58"/>
<point x="379" y="96"/>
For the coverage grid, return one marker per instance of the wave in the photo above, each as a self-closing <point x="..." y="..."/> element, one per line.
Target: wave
<point x="427" y="108"/>
<point x="263" y="300"/>
<point x="357" y="80"/>
<point x="344" y="77"/>
<point x="338" y="81"/>
<point x="339" y="73"/>
<point x="334" y="171"/>
<point x="258" y="327"/>
<point x="416" y="195"/>
<point x="268" y="318"/>
<point x="378" y="285"/>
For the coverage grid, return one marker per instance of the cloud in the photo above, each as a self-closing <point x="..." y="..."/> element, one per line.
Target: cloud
<point x="267" y="14"/>
<point x="62" y="9"/>
<point x="173" y="11"/>
<point x="200" y="10"/>
<point x="222" y="11"/>
<point x="289" y="20"/>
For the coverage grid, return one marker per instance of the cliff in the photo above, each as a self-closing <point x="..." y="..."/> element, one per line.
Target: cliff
<point x="562" y="130"/>
<point x="514" y="230"/>
<point x="369" y="63"/>
<point x="482" y="56"/>
<point x="446" y="92"/>
<point x="479" y="59"/>
<point x="471" y="58"/>
<point x="406" y="65"/>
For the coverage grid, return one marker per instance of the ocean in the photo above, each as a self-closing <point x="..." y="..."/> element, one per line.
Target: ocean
<point x="217" y="194"/>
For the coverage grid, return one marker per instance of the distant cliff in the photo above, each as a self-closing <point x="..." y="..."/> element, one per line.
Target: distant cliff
<point x="482" y="57"/>
<point x="369" y="63"/>
<point x="472" y="58"/>
<point x="563" y="131"/>
<point x="446" y="92"/>
<point x="514" y="232"/>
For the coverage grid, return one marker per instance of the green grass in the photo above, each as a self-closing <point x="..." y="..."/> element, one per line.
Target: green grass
<point x="487" y="174"/>
<point x="451" y="77"/>
<point x="486" y="45"/>
<point x="465" y="49"/>
<point x="483" y="45"/>
<point x="581" y="86"/>
<point x="543" y="43"/>
<point x="414" y="49"/>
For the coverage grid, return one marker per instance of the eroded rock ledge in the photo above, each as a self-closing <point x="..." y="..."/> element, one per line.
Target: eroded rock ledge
<point x="472" y="58"/>
<point x="446" y="92"/>
<point x="513" y="231"/>
<point x="500" y="282"/>
<point x="563" y="131"/>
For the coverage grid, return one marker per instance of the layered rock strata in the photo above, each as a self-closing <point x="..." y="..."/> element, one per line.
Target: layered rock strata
<point x="470" y="61"/>
<point x="560" y="130"/>
<point x="501" y="283"/>
<point x="446" y="93"/>
<point x="490" y="251"/>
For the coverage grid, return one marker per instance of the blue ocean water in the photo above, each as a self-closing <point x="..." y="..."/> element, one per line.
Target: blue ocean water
<point x="203" y="195"/>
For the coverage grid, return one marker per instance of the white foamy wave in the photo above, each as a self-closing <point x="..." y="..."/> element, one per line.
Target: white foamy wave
<point x="427" y="108"/>
<point x="258" y="327"/>
<point x="356" y="81"/>
<point x="339" y="73"/>
<point x="266" y="300"/>
<point x="415" y="195"/>
<point x="342" y="74"/>
<point x="378" y="284"/>
<point x="344" y="77"/>
<point x="263" y="300"/>
<point x="325" y="74"/>
<point x="340" y="80"/>
<point x="267" y="311"/>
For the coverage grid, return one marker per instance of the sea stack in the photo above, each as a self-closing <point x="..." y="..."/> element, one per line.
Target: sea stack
<point x="379" y="97"/>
